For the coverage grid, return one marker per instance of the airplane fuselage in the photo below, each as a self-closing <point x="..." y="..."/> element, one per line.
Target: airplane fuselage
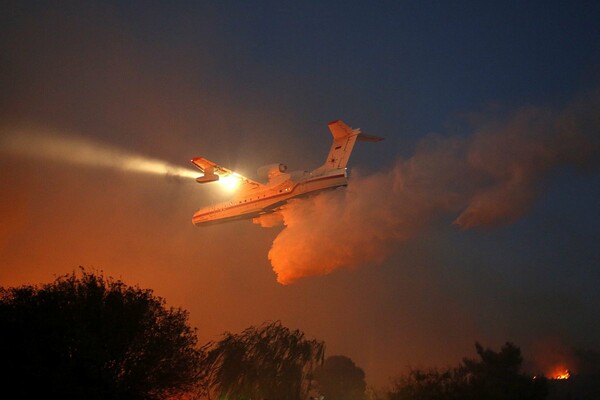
<point x="257" y="198"/>
<point x="268" y="199"/>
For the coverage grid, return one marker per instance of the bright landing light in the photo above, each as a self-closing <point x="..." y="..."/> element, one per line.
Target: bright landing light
<point x="229" y="182"/>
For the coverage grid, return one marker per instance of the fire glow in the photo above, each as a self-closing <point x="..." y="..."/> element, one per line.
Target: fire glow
<point x="560" y="374"/>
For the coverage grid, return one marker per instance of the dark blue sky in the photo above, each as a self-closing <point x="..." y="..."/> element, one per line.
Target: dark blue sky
<point x="250" y="83"/>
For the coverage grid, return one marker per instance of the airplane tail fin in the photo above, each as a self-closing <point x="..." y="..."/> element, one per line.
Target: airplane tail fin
<point x="344" y="138"/>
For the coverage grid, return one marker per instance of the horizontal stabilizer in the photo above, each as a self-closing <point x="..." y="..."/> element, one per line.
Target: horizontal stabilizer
<point x="369" y="138"/>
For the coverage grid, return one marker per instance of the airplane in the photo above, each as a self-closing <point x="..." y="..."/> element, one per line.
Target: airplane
<point x="254" y="198"/>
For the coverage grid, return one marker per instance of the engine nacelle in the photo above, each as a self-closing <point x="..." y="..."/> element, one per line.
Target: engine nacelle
<point x="207" y="178"/>
<point x="272" y="170"/>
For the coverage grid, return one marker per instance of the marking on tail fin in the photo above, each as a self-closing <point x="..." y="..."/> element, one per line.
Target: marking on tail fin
<point x="344" y="138"/>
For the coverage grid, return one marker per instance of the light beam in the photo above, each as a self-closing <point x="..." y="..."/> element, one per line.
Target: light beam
<point x="82" y="151"/>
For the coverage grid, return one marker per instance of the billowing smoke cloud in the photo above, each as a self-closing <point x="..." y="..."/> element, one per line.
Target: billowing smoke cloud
<point x="41" y="144"/>
<point x="487" y="179"/>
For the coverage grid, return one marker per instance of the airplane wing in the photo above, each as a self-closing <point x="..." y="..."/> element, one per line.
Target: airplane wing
<point x="213" y="172"/>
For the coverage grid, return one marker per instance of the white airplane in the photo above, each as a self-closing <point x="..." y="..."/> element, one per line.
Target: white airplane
<point x="254" y="198"/>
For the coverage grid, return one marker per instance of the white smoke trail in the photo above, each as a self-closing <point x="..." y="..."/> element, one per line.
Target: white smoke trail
<point x="81" y="151"/>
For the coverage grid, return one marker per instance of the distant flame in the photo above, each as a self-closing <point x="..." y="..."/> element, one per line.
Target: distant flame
<point x="560" y="373"/>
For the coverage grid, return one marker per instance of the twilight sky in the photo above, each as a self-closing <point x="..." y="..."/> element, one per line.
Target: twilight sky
<point x="476" y="219"/>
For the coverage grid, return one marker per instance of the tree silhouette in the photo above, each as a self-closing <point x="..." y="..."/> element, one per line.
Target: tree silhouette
<point x="268" y="362"/>
<point x="494" y="376"/>
<point x="428" y="384"/>
<point x="497" y="376"/>
<point x="340" y="379"/>
<point x="95" y="338"/>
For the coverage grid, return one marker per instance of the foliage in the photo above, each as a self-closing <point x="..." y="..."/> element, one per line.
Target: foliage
<point x="494" y="376"/>
<point x="497" y="375"/>
<point x="427" y="385"/>
<point x="95" y="338"/>
<point x="340" y="379"/>
<point x="268" y="362"/>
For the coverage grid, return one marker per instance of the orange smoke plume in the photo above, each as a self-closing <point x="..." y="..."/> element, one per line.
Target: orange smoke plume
<point x="488" y="179"/>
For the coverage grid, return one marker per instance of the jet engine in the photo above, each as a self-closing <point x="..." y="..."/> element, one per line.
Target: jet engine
<point x="207" y="178"/>
<point x="272" y="170"/>
<point x="209" y="175"/>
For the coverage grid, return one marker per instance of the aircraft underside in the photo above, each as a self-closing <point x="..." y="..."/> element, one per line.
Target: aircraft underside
<point x="250" y="207"/>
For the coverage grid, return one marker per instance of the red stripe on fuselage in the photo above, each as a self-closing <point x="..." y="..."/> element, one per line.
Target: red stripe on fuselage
<point x="266" y="198"/>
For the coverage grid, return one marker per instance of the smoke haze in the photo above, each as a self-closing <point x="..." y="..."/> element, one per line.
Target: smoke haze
<point x="39" y="144"/>
<point x="244" y="85"/>
<point x="488" y="179"/>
